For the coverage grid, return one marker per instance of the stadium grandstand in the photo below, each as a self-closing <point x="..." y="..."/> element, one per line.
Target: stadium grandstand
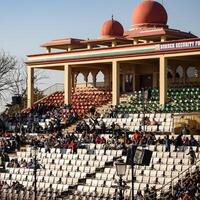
<point x="74" y="143"/>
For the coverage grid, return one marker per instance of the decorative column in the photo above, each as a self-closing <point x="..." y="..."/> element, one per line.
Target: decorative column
<point x="123" y="82"/>
<point x="48" y="49"/>
<point x="135" y="41"/>
<point x="94" y="77"/>
<point x="115" y="82"/>
<point x="134" y="81"/>
<point x="163" y="80"/>
<point x="85" y="74"/>
<point x="173" y="75"/>
<point x="73" y="78"/>
<point x="106" y="77"/>
<point x="30" y="87"/>
<point x="67" y="84"/>
<point x="163" y="38"/>
<point x="155" y="79"/>
<point x="114" y="44"/>
<point x="184" y="79"/>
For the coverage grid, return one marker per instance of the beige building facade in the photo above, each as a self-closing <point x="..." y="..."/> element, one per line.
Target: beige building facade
<point x="149" y="55"/>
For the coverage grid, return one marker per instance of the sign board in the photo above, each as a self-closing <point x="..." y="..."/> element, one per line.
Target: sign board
<point x="138" y="156"/>
<point x="179" y="45"/>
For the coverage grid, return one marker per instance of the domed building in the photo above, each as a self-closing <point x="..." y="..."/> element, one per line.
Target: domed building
<point x="112" y="28"/>
<point x="149" y="14"/>
<point x="149" y="22"/>
<point x="148" y="55"/>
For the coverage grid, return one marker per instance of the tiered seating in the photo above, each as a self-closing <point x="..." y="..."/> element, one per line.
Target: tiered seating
<point x="60" y="170"/>
<point x="91" y="172"/>
<point x="133" y="122"/>
<point x="82" y="100"/>
<point x="163" y="168"/>
<point x="179" y="100"/>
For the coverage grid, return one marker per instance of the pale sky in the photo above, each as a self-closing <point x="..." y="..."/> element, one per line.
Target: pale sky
<point x="26" y="24"/>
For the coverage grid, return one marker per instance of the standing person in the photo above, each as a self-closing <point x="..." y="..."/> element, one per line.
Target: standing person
<point x="178" y="142"/>
<point x="139" y="195"/>
<point x="102" y="127"/>
<point x="167" y="143"/>
<point x="46" y="145"/>
<point x="92" y="110"/>
<point x="192" y="156"/>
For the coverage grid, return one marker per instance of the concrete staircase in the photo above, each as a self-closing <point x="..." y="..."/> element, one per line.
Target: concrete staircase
<point x="71" y="128"/>
<point x="100" y="110"/>
<point x="124" y="98"/>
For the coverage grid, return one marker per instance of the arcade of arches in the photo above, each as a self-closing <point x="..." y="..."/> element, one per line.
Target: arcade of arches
<point x="128" y="76"/>
<point x="135" y="75"/>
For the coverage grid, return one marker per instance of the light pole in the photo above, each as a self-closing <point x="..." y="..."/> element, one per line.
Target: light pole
<point x="133" y="149"/>
<point x="121" y="171"/>
<point x="34" y="153"/>
<point x="143" y="98"/>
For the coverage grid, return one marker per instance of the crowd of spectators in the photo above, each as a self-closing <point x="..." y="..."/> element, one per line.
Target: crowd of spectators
<point x="120" y="139"/>
<point x="92" y="132"/>
<point x="10" y="142"/>
<point x="4" y="186"/>
<point x="17" y="128"/>
<point x="41" y="119"/>
<point x="97" y="127"/>
<point x="186" y="189"/>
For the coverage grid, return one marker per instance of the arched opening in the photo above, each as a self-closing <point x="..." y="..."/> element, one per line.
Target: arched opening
<point x="169" y="75"/>
<point x="179" y="75"/>
<point x="192" y="72"/>
<point x="80" y="79"/>
<point x="90" y="79"/>
<point x="179" y="71"/>
<point x="100" y="79"/>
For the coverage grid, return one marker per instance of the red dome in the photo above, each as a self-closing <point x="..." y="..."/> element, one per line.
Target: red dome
<point x="149" y="13"/>
<point x="112" y="28"/>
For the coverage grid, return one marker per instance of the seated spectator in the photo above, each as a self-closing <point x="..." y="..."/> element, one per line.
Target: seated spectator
<point x="146" y="189"/>
<point x="147" y="121"/>
<point x="139" y="195"/>
<point x="193" y="141"/>
<point x="30" y="164"/>
<point x="136" y="137"/>
<point x="23" y="163"/>
<point x="159" y="161"/>
<point x="159" y="140"/>
<point x="178" y="142"/>
<point x="153" y="122"/>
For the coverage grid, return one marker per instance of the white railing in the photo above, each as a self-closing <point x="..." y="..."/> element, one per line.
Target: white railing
<point x="169" y="187"/>
<point x="58" y="87"/>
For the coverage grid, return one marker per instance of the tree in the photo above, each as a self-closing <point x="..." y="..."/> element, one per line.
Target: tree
<point x="8" y="65"/>
<point x="13" y="79"/>
<point x="19" y="84"/>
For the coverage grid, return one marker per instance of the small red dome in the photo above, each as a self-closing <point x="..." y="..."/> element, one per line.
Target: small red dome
<point x="149" y="13"/>
<point x="112" y="28"/>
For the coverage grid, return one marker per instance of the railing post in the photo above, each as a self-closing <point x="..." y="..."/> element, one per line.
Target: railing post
<point x="190" y="170"/>
<point x="180" y="177"/>
<point x="172" y="188"/>
<point x="181" y="181"/>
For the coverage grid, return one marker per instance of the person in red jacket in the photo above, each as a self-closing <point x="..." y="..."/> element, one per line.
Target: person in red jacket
<point x="136" y="137"/>
<point x="187" y="196"/>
